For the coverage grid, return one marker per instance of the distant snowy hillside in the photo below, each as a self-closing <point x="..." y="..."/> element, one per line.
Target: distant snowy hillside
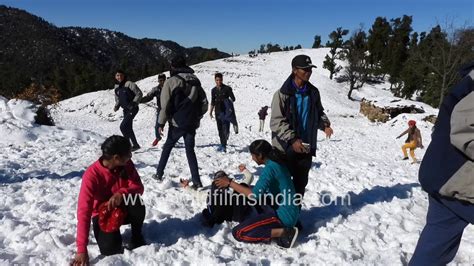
<point x="40" y="178"/>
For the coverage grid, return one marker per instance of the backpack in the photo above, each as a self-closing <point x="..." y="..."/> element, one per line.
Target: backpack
<point x="186" y="112"/>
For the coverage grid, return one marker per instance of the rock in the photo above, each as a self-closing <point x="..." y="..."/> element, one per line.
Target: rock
<point x="384" y="113"/>
<point x="431" y="118"/>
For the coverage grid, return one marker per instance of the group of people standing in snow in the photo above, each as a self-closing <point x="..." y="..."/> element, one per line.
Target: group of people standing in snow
<point x="296" y="115"/>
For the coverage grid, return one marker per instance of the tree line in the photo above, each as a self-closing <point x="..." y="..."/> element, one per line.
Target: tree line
<point x="422" y="65"/>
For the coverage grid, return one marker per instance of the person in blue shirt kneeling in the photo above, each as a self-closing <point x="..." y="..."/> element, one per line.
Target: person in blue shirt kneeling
<point x="278" y="216"/>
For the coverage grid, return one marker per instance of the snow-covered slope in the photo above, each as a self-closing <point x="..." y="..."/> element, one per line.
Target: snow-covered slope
<point x="40" y="179"/>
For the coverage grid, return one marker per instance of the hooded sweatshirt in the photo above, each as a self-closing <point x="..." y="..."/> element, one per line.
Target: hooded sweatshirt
<point x="98" y="185"/>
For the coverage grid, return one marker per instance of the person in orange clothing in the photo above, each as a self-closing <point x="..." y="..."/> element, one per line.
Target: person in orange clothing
<point x="413" y="140"/>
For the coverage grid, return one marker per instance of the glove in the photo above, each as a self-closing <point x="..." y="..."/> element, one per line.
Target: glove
<point x="116" y="108"/>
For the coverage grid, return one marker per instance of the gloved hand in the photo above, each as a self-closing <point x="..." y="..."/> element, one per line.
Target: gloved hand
<point x="116" y="108"/>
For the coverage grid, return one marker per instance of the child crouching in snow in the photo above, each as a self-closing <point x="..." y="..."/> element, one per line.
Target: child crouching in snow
<point x="275" y="221"/>
<point x="109" y="196"/>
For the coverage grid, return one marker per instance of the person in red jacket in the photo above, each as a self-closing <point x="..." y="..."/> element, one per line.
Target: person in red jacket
<point x="114" y="182"/>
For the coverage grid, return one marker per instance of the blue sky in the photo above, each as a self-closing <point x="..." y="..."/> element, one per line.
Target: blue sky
<point x="240" y="26"/>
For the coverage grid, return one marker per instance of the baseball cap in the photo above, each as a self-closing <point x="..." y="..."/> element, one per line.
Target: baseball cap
<point x="302" y="61"/>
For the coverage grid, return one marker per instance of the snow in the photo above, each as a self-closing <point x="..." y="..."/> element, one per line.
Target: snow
<point x="165" y="51"/>
<point x="41" y="168"/>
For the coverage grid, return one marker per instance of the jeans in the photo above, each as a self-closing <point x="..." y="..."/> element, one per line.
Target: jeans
<point x="445" y="222"/>
<point x="224" y="130"/>
<point x="174" y="134"/>
<point x="126" y="127"/>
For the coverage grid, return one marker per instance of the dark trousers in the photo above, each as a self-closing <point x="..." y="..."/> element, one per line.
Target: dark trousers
<point x="174" y="134"/>
<point x="111" y="243"/>
<point x="299" y="165"/>
<point x="445" y="222"/>
<point x="223" y="127"/>
<point x="127" y="125"/>
<point x="157" y="125"/>
<point x="257" y="228"/>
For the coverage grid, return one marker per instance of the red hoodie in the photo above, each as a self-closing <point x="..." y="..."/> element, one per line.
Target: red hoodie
<point x="98" y="185"/>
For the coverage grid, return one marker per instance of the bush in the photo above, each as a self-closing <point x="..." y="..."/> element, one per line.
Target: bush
<point x="43" y="96"/>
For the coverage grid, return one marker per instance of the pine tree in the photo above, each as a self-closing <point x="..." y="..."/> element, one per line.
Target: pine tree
<point x="335" y="43"/>
<point x="317" y="41"/>
<point x="357" y="69"/>
<point x="397" y="51"/>
<point x="443" y="52"/>
<point x="377" y="42"/>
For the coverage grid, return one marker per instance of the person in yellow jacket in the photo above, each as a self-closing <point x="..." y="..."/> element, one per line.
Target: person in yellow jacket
<point x="413" y="140"/>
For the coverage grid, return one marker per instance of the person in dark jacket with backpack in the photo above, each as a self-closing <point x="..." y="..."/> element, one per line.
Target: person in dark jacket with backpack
<point x="446" y="174"/>
<point x="183" y="104"/>
<point x="127" y="96"/>
<point x="156" y="93"/>
<point x="297" y="114"/>
<point x="221" y="94"/>
<point x="262" y="114"/>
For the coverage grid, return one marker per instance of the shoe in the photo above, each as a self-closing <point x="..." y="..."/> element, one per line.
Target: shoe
<point x="155" y="142"/>
<point x="135" y="148"/>
<point x="135" y="242"/>
<point x="405" y="158"/>
<point x="287" y="240"/>
<point x="236" y="129"/>
<point x="157" y="177"/>
<point x="414" y="161"/>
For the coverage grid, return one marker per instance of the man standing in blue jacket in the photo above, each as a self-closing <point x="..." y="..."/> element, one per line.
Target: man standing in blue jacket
<point x="297" y="114"/>
<point x="447" y="174"/>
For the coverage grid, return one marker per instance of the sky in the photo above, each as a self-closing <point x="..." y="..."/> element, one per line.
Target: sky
<point x="240" y="26"/>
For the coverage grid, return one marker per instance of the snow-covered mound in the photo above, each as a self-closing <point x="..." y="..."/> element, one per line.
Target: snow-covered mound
<point x="380" y="223"/>
<point x="16" y="121"/>
<point x="28" y="147"/>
